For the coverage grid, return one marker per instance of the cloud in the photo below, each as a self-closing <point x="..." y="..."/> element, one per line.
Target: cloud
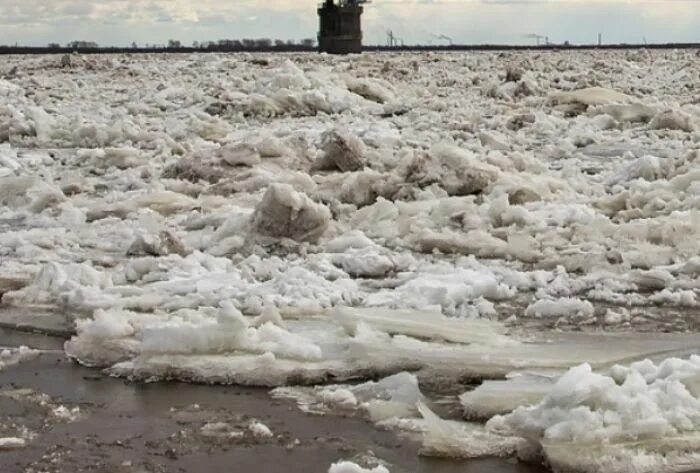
<point x="155" y="21"/>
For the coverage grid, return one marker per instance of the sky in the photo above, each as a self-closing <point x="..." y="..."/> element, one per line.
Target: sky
<point x="121" y="22"/>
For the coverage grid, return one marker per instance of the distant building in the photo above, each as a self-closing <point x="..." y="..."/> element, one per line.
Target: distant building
<point x="340" y="26"/>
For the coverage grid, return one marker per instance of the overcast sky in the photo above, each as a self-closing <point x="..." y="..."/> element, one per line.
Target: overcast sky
<point x="119" y="22"/>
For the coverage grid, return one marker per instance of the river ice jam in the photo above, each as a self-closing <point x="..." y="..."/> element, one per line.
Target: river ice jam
<point x="399" y="224"/>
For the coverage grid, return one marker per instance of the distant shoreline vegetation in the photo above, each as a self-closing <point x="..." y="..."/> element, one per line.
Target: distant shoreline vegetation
<point x="309" y="45"/>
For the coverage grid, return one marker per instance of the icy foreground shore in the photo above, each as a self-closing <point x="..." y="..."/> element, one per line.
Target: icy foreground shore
<point x="296" y="219"/>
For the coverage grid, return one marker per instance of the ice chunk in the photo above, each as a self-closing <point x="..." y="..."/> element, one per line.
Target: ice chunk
<point x="12" y="443"/>
<point x="260" y="430"/>
<point x="372" y="89"/>
<point x="613" y="317"/>
<point x="165" y="243"/>
<point x="394" y="396"/>
<point x="628" y="113"/>
<point x="222" y="430"/>
<point x="122" y="158"/>
<point x="647" y="167"/>
<point x="366" y="264"/>
<point x="474" y="242"/>
<point x="464" y="440"/>
<point x="9" y="165"/>
<point x="197" y="346"/>
<point x="422" y="325"/>
<point x="342" y="151"/>
<point x="501" y="397"/>
<point x="349" y="467"/>
<point x="164" y="202"/>
<point x="56" y="283"/>
<point x="12" y="356"/>
<point x="450" y="291"/>
<point x="390" y="398"/>
<point x="644" y="418"/>
<point x="239" y="154"/>
<point x="496" y="360"/>
<point x="272" y="147"/>
<point x="489" y="140"/>
<point x="672" y="120"/>
<point x="229" y="332"/>
<point x="590" y="96"/>
<point x="456" y="170"/>
<point x="269" y="315"/>
<point x="655" y="279"/>
<point x="564" y="307"/>
<point x="29" y="192"/>
<point x="284" y="213"/>
<point x="194" y="169"/>
<point x="353" y="239"/>
<point x="65" y="414"/>
<point x="338" y="396"/>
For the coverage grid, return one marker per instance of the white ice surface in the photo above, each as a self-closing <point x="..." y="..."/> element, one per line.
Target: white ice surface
<point x="350" y="467"/>
<point x="641" y="418"/>
<point x="569" y="196"/>
<point x="221" y="345"/>
<point x="79" y="170"/>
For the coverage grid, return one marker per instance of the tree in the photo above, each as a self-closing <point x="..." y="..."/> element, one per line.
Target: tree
<point x="279" y="43"/>
<point x="174" y="44"/>
<point x="82" y="45"/>
<point x="134" y="45"/>
<point x="54" y="46"/>
<point x="308" y="42"/>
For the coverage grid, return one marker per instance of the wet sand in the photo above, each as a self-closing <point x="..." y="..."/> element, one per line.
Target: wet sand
<point x="130" y="427"/>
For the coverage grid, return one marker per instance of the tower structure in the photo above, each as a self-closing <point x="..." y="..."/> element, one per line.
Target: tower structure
<point x="340" y="29"/>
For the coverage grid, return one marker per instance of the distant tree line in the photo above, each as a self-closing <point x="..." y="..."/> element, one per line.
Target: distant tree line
<point x="304" y="45"/>
<point x="244" y="44"/>
<point x="222" y="45"/>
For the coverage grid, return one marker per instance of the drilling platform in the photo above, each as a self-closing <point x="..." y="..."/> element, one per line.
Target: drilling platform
<point x="340" y="26"/>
